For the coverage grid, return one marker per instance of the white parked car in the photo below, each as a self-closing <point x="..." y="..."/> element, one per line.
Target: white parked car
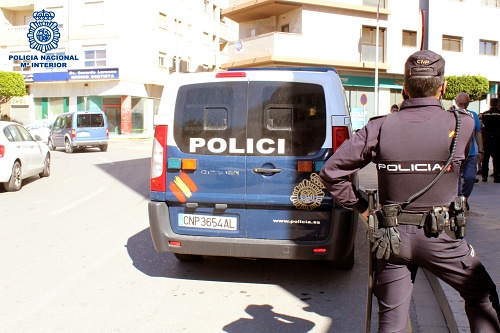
<point x="41" y="128"/>
<point x="21" y="156"/>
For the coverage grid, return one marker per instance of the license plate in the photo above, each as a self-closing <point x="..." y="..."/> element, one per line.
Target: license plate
<point x="208" y="222"/>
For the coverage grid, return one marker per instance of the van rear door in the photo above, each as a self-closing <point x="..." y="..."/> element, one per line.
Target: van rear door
<point x="209" y="131"/>
<point x="287" y="128"/>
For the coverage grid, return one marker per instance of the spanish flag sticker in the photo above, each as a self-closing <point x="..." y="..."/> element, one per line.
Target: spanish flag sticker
<point x="182" y="187"/>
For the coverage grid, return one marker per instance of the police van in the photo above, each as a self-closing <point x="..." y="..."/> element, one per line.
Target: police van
<point x="235" y="163"/>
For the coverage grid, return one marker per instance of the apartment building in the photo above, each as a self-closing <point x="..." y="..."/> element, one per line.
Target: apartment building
<point x="342" y="34"/>
<point x="109" y="55"/>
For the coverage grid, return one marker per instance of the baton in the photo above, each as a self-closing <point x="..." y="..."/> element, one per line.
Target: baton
<point x="372" y="227"/>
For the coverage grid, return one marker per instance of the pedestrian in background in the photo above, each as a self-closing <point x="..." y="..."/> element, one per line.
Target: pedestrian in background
<point x="394" y="108"/>
<point x="469" y="167"/>
<point x="401" y="146"/>
<point x="491" y="135"/>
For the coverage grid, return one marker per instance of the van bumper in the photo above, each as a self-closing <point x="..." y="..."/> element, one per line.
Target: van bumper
<point x="81" y="143"/>
<point x="338" y="244"/>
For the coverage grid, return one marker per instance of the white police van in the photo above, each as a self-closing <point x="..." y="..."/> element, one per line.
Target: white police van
<point x="235" y="163"/>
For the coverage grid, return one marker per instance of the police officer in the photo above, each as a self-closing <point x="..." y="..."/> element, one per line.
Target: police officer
<point x="491" y="133"/>
<point x="409" y="148"/>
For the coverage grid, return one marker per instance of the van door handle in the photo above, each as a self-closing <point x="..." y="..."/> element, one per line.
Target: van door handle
<point x="265" y="170"/>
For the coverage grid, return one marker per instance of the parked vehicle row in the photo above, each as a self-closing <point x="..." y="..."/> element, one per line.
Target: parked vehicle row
<point x="21" y="156"/>
<point x="25" y="150"/>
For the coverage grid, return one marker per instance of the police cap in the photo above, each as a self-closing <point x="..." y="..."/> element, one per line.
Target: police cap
<point x="424" y="63"/>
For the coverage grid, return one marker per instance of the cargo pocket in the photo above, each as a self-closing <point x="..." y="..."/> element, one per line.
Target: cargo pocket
<point x="470" y="260"/>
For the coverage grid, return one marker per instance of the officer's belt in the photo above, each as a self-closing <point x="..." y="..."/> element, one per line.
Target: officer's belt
<point x="417" y="219"/>
<point x="412" y="219"/>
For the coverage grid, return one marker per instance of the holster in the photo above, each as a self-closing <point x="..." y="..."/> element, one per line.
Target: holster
<point x="437" y="219"/>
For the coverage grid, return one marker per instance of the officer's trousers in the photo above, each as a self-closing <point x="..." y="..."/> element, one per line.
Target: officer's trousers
<point x="453" y="261"/>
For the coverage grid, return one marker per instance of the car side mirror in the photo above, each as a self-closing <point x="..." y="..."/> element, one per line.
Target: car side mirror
<point x="38" y="137"/>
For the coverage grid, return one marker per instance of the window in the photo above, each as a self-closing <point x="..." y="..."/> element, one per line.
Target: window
<point x="285" y="28"/>
<point x="409" y="38"/>
<point x="374" y="3"/>
<point x="162" y="56"/>
<point x="368" y="44"/>
<point x="491" y="3"/>
<point x="21" y="65"/>
<point x="95" y="58"/>
<point x="276" y="110"/>
<point x="452" y="43"/>
<point x="93" y="13"/>
<point x="178" y="27"/>
<point x="206" y="38"/>
<point x="59" y="17"/>
<point x="90" y="120"/>
<point x="162" y="20"/>
<point x="50" y="55"/>
<point x="487" y="47"/>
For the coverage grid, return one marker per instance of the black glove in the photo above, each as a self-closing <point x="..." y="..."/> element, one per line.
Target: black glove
<point x="386" y="241"/>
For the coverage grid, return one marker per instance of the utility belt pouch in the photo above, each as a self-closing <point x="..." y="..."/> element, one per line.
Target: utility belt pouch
<point x="436" y="220"/>
<point x="388" y="215"/>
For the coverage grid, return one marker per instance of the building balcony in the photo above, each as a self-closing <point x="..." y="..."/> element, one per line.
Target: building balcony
<point x="244" y="10"/>
<point x="288" y="49"/>
<point x="13" y="35"/>
<point x="18" y="4"/>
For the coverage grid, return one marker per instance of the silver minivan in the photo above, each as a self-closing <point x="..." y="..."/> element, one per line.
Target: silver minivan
<point x="79" y="130"/>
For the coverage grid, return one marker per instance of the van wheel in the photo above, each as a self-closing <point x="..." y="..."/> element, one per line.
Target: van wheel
<point x="187" y="257"/>
<point x="68" y="147"/>
<point x="345" y="264"/>
<point x="51" y="144"/>
<point x="46" y="167"/>
<point x="16" y="179"/>
<point x="103" y="147"/>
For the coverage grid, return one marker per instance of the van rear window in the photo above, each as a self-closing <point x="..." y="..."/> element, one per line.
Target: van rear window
<point x="256" y="118"/>
<point x="90" y="120"/>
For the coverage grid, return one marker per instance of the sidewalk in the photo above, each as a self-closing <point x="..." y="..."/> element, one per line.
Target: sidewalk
<point x="483" y="233"/>
<point x="132" y="136"/>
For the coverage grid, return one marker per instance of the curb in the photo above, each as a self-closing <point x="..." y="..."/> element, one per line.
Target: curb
<point x="452" y="305"/>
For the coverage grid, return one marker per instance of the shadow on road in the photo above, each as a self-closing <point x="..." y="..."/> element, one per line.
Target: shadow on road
<point x="309" y="281"/>
<point x="133" y="173"/>
<point x="264" y="319"/>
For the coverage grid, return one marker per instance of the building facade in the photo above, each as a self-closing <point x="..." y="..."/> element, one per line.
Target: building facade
<point x="107" y="55"/>
<point x="343" y="34"/>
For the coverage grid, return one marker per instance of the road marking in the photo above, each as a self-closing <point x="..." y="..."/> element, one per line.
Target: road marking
<point x="76" y="203"/>
<point x="106" y="160"/>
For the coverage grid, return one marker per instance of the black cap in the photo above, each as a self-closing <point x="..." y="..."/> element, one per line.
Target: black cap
<point x="424" y="63"/>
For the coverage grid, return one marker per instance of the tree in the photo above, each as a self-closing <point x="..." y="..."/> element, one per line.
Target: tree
<point x="476" y="86"/>
<point x="11" y="84"/>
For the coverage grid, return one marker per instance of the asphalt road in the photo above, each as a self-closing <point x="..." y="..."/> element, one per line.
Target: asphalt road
<point x="77" y="256"/>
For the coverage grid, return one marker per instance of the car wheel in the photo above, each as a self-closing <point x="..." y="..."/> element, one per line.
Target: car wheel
<point x="103" y="147"/>
<point x="187" y="257"/>
<point x="16" y="179"/>
<point x="345" y="264"/>
<point x="46" y="167"/>
<point x="51" y="144"/>
<point x="68" y="147"/>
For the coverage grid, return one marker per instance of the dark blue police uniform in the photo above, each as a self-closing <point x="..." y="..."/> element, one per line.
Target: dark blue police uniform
<point x="409" y="148"/>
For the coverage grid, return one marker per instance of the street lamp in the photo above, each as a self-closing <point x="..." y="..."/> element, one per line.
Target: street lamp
<point x="376" y="59"/>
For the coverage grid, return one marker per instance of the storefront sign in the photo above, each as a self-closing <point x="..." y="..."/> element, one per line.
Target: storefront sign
<point x="93" y="74"/>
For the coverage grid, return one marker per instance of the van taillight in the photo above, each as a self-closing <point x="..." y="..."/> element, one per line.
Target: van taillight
<point x="2" y="150"/>
<point x="107" y="132"/>
<point x="230" y="74"/>
<point x="339" y="135"/>
<point x="73" y="133"/>
<point x="158" y="160"/>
